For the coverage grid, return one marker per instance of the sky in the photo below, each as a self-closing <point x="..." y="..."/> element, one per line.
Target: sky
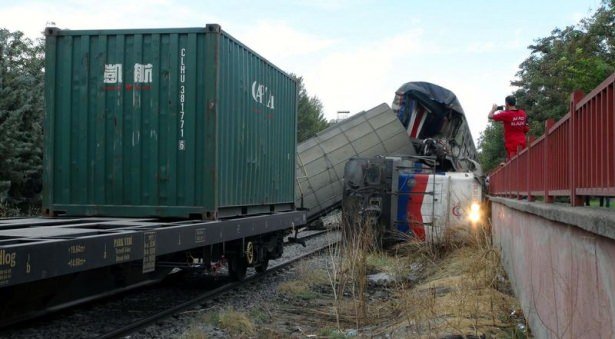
<point x="352" y="55"/>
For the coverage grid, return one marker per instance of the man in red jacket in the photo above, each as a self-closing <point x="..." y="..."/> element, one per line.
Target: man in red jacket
<point x="515" y="124"/>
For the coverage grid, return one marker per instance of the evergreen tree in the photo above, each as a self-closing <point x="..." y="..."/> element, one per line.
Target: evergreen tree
<point x="491" y="143"/>
<point x="21" y="118"/>
<point x="310" y="118"/>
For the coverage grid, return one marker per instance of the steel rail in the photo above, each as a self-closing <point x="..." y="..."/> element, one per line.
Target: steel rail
<point x="142" y="323"/>
<point x="33" y="314"/>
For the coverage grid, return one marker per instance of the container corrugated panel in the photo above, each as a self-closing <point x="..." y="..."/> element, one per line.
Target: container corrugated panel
<point x="321" y="159"/>
<point x="165" y="123"/>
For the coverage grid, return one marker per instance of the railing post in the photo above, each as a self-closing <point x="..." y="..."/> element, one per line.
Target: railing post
<point x="573" y="154"/>
<point x="528" y="166"/>
<point x="545" y="161"/>
<point x="517" y="165"/>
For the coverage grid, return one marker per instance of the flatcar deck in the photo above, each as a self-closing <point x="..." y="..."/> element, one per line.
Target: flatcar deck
<point x="38" y="248"/>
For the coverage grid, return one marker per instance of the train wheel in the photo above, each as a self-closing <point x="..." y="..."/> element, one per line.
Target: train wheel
<point x="250" y="253"/>
<point x="237" y="267"/>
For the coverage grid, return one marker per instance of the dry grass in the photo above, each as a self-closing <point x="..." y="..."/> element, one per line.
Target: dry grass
<point x="236" y="323"/>
<point x="195" y="333"/>
<point x="311" y="277"/>
<point x="394" y="265"/>
<point x="455" y="290"/>
<point x="458" y="293"/>
<point x="297" y="289"/>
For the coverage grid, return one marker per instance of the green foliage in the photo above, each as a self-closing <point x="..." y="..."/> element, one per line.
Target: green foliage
<point x="491" y="146"/>
<point x="21" y="118"/>
<point x="310" y="117"/>
<point x="577" y="57"/>
<point x="574" y="58"/>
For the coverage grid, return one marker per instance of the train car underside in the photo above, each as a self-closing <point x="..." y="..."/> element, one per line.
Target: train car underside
<point x="50" y="264"/>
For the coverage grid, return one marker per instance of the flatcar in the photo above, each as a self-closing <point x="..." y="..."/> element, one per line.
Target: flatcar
<point x="164" y="149"/>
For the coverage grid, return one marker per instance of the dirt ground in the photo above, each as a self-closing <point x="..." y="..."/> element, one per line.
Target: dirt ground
<point x="456" y="289"/>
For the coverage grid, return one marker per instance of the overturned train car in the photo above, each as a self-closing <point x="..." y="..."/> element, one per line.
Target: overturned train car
<point x="426" y="121"/>
<point x="436" y="126"/>
<point x="424" y="195"/>
<point x="321" y="159"/>
<point x="403" y="197"/>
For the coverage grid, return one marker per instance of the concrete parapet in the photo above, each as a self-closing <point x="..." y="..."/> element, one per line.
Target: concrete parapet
<point x="560" y="261"/>
<point x="599" y="221"/>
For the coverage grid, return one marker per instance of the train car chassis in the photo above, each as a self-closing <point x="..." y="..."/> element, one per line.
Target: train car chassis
<point x="48" y="264"/>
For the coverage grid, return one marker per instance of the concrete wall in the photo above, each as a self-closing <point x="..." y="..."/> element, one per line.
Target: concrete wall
<point x="561" y="262"/>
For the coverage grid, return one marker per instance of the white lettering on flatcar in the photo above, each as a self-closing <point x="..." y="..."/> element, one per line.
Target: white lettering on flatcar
<point x="149" y="252"/>
<point x="123" y="248"/>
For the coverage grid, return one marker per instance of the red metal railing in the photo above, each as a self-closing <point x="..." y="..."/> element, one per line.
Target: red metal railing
<point x="575" y="157"/>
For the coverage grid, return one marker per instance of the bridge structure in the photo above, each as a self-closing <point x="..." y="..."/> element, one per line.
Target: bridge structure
<point x="558" y="253"/>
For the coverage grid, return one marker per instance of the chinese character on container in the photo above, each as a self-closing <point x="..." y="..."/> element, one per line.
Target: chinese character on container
<point x="113" y="73"/>
<point x="143" y="73"/>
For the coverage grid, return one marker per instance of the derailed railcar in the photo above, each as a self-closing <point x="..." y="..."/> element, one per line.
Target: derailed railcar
<point x="401" y="197"/>
<point x="164" y="149"/>
<point x="321" y="159"/>
<point x="424" y="195"/>
<point x="436" y="125"/>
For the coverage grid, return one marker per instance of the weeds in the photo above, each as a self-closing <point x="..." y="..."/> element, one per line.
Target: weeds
<point x="456" y="281"/>
<point x="459" y="294"/>
<point x="259" y="315"/>
<point x="233" y="322"/>
<point x="236" y="323"/>
<point x="455" y="290"/>
<point x="296" y="289"/>
<point x="311" y="277"/>
<point x="331" y="333"/>
<point x="195" y="333"/>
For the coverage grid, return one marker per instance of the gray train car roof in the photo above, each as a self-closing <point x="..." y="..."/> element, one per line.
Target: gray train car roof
<point x="428" y="93"/>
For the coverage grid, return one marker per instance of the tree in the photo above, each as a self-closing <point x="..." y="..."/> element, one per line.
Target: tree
<point x="491" y="144"/>
<point x="310" y="117"/>
<point x="21" y="118"/>
<point x="573" y="58"/>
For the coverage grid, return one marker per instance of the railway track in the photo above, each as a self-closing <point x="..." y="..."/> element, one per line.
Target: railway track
<point x="130" y="328"/>
<point x="127" y="313"/>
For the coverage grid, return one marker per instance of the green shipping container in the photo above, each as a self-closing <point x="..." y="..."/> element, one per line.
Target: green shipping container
<point x="165" y="123"/>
